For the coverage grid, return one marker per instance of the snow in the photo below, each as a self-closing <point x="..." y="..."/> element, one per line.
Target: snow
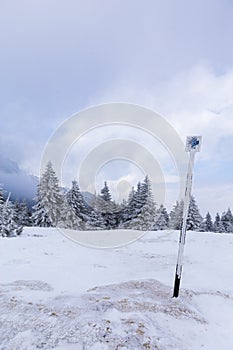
<point x="55" y="293"/>
<point x="103" y="238"/>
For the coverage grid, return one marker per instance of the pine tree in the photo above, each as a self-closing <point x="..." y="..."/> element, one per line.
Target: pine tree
<point x="95" y="219"/>
<point x="17" y="217"/>
<point x="176" y="215"/>
<point x="110" y="219"/>
<point x="9" y="227"/>
<point x="69" y="219"/>
<point x="139" y="200"/>
<point x="218" y="225"/>
<point x="47" y="210"/>
<point x="17" y="211"/>
<point x="145" y="190"/>
<point x="145" y="219"/>
<point x="107" y="208"/>
<point x="129" y="208"/>
<point x="105" y="193"/>
<point x="227" y="221"/>
<point x="207" y="224"/>
<point x="1" y="196"/>
<point x="40" y="216"/>
<point x="194" y="219"/>
<point x="136" y="202"/>
<point x="75" y="199"/>
<point x="162" y="219"/>
<point x="102" y="206"/>
<point x="139" y="197"/>
<point x="217" y="222"/>
<point x="10" y="224"/>
<point x="25" y="215"/>
<point x="1" y="207"/>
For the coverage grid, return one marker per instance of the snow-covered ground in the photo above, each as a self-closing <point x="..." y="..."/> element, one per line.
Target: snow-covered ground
<point x="57" y="294"/>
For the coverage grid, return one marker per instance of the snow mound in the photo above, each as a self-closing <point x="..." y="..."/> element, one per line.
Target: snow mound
<point x="23" y="285"/>
<point x="128" y="315"/>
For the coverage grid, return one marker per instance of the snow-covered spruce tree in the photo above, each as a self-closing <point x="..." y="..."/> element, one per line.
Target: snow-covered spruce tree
<point x="40" y="216"/>
<point x="95" y="219"/>
<point x="17" y="217"/>
<point x="131" y="196"/>
<point x="1" y="206"/>
<point x="207" y="224"/>
<point x="116" y="214"/>
<point x="194" y="218"/>
<point x="122" y="214"/>
<point x="145" y="220"/>
<point x="1" y="196"/>
<point x="218" y="225"/>
<point x="134" y="206"/>
<point x="217" y="222"/>
<point x="140" y="198"/>
<point x="9" y="227"/>
<point x="75" y="199"/>
<point x="162" y="219"/>
<point x="145" y="190"/>
<point x="107" y="208"/>
<point x="69" y="219"/>
<point x="137" y="199"/>
<point x="101" y="205"/>
<point x="48" y="207"/>
<point x="25" y="215"/>
<point x="129" y="210"/>
<point x="176" y="215"/>
<point x="227" y="221"/>
<point x="105" y="193"/>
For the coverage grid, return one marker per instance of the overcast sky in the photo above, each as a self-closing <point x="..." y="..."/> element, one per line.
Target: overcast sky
<point x="176" y="57"/>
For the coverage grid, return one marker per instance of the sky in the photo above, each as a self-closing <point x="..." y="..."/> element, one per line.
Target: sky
<point x="175" y="57"/>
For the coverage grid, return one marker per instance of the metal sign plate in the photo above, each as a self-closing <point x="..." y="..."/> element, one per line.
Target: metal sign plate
<point x="193" y="143"/>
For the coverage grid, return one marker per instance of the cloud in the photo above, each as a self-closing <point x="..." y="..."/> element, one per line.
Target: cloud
<point x="194" y="102"/>
<point x="23" y="134"/>
<point x="214" y="199"/>
<point x="57" y="57"/>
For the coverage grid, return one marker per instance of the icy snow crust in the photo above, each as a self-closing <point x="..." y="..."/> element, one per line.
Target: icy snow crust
<point x="55" y="294"/>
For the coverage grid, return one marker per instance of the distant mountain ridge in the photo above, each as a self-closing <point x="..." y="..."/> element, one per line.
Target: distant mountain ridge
<point x="8" y="166"/>
<point x="17" y="181"/>
<point x="23" y="185"/>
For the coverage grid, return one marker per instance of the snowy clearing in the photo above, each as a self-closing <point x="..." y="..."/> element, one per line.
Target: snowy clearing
<point x="57" y="294"/>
